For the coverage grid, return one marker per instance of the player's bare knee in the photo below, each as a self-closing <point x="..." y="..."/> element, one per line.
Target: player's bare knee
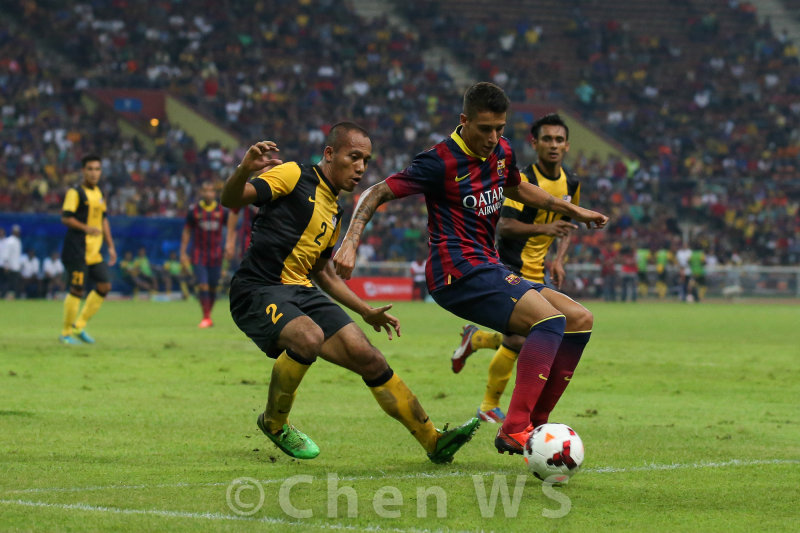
<point x="369" y="361"/>
<point x="308" y="343"/>
<point x="103" y="289"/>
<point x="372" y="364"/>
<point x="513" y="342"/>
<point x="78" y="293"/>
<point x="582" y="320"/>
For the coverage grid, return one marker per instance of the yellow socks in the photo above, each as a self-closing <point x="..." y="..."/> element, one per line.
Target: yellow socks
<point x="286" y="377"/>
<point x="397" y="400"/>
<point x="500" y="370"/>
<point x="93" y="303"/>
<point x="486" y="339"/>
<point x="71" y="305"/>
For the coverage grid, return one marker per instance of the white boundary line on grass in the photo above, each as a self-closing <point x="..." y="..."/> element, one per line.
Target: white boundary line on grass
<point x="187" y="514"/>
<point x="279" y="521"/>
<point x="425" y="475"/>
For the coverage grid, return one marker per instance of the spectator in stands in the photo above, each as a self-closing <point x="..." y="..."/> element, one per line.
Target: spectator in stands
<point x="645" y="261"/>
<point x="53" y="270"/>
<point x="132" y="276"/>
<point x="30" y="275"/>
<point x="686" y="288"/>
<point x="12" y="262"/>
<point x="629" y="273"/>
<point x="3" y="273"/>
<point x="145" y="271"/>
<point x="697" y="267"/>
<point x="420" y="287"/>
<point x="175" y="273"/>
<point x="608" y="271"/>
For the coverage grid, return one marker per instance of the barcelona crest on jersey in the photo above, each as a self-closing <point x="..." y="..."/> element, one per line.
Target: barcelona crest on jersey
<point x="501" y="167"/>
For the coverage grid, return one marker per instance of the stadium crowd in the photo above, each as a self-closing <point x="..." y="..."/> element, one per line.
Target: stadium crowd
<point x="717" y="145"/>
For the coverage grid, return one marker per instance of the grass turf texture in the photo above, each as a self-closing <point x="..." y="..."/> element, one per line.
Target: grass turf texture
<point x="688" y="413"/>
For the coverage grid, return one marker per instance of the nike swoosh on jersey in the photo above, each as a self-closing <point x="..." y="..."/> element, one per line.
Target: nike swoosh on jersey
<point x="462" y="178"/>
<point x="311" y="200"/>
<point x="542" y="376"/>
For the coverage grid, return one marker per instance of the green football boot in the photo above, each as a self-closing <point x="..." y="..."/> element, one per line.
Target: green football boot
<point x="450" y="441"/>
<point x="290" y="440"/>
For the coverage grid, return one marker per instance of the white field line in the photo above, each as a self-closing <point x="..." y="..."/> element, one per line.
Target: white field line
<point x="185" y="514"/>
<point x="82" y="507"/>
<point x="424" y="475"/>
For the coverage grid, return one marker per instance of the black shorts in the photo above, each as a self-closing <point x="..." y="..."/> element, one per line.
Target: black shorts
<point x="262" y="311"/>
<point x="75" y="274"/>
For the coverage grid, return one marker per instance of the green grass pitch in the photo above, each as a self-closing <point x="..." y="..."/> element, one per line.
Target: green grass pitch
<point x="689" y="415"/>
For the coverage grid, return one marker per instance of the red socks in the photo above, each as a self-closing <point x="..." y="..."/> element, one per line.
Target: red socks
<point x="533" y="368"/>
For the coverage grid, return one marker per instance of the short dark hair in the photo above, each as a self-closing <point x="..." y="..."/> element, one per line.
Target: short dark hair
<point x="88" y="159"/>
<point x="335" y="137"/>
<point x="551" y="119"/>
<point x="485" y="96"/>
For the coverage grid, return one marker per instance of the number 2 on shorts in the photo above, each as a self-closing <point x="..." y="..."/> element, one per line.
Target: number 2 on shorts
<point x="272" y="310"/>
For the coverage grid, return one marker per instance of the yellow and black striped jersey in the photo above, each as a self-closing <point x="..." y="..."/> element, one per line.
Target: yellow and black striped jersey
<point x="298" y="222"/>
<point x="526" y="256"/>
<point x="87" y="206"/>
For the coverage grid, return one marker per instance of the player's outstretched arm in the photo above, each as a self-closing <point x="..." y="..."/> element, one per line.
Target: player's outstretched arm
<point x="237" y="192"/>
<point x="327" y="280"/>
<point x="534" y="196"/>
<point x="511" y="228"/>
<point x="371" y="199"/>
<point x="557" y="272"/>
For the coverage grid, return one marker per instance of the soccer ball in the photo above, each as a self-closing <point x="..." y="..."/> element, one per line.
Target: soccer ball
<point x="554" y="453"/>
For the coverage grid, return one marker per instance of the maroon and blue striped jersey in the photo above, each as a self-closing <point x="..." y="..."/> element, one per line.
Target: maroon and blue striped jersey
<point x="464" y="194"/>
<point x="207" y="223"/>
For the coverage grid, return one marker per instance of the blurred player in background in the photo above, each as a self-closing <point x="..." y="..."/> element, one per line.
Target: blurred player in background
<point x="205" y="223"/>
<point x="524" y="236"/>
<point x="465" y="179"/>
<point x="274" y="302"/>
<point x="84" y="214"/>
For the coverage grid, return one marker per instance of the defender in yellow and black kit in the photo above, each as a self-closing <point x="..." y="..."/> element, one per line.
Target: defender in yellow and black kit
<point x="84" y="214"/>
<point x="275" y="300"/>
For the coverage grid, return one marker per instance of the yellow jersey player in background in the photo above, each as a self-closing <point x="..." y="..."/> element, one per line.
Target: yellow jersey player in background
<point x="524" y="236"/>
<point x="84" y="214"/>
